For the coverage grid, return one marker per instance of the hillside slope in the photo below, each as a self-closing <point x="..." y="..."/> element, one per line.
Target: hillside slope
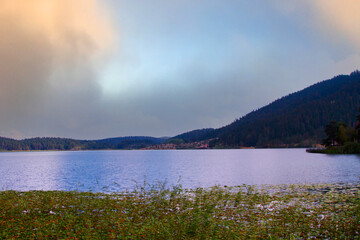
<point x="197" y="135"/>
<point x="296" y="120"/>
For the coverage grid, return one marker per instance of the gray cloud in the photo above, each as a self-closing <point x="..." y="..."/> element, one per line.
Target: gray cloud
<point x="47" y="56"/>
<point x="174" y="66"/>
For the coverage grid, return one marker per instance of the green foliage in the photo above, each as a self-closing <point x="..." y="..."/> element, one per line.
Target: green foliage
<point x="245" y="212"/>
<point x="175" y="141"/>
<point x="351" y="148"/>
<point x="341" y="139"/>
<point x="347" y="148"/>
<point x="345" y="134"/>
<point x="338" y="133"/>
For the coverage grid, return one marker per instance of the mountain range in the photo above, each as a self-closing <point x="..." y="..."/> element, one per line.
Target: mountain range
<point x="295" y="120"/>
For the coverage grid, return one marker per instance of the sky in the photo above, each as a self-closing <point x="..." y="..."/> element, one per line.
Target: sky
<point x="92" y="69"/>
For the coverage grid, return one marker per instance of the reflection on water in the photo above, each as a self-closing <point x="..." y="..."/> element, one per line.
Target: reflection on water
<point x="121" y="170"/>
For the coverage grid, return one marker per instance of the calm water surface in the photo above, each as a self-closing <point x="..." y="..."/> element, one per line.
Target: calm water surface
<point x="121" y="170"/>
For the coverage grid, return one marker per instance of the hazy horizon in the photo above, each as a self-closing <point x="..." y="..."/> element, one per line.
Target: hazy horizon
<point x="92" y="69"/>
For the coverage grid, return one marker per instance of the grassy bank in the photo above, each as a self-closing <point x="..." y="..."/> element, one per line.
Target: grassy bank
<point x="347" y="148"/>
<point x="270" y="212"/>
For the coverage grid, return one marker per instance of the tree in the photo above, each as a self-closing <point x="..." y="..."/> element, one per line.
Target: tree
<point x="345" y="134"/>
<point x="357" y="126"/>
<point x="331" y="133"/>
<point x="338" y="133"/>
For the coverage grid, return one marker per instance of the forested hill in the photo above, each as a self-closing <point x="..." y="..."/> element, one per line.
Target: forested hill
<point x="197" y="135"/>
<point x="294" y="120"/>
<point x="298" y="119"/>
<point x="48" y="143"/>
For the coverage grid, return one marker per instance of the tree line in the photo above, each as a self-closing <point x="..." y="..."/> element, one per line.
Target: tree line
<point x="53" y="143"/>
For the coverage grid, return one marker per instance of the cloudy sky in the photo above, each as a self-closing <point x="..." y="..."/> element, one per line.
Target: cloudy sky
<point x="91" y="69"/>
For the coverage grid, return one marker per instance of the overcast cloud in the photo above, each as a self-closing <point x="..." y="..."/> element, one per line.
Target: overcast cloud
<point x="90" y="69"/>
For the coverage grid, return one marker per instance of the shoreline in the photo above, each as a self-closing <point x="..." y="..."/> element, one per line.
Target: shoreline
<point x="109" y="149"/>
<point x="263" y="188"/>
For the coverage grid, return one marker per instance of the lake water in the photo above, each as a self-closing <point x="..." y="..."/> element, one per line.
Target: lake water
<point x="120" y="170"/>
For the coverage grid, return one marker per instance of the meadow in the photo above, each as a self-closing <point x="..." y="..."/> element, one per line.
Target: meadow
<point x="157" y="212"/>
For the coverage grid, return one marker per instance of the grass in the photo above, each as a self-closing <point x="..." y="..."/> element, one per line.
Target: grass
<point x="347" y="148"/>
<point x="244" y="212"/>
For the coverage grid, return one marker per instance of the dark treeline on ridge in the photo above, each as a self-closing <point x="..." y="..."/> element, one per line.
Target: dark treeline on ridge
<point x="48" y="143"/>
<point x="296" y="120"/>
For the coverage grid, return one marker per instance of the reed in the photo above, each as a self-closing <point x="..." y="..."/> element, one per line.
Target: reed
<point x="243" y="212"/>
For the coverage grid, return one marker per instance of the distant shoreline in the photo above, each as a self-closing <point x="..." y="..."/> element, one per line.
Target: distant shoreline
<point x="147" y="149"/>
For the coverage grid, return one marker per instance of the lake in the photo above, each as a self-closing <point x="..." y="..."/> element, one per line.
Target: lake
<point x="109" y="171"/>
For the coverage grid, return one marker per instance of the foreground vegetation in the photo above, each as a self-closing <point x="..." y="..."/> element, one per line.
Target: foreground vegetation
<point x="269" y="212"/>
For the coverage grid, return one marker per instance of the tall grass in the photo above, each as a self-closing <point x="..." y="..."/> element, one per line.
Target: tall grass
<point x="244" y="212"/>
